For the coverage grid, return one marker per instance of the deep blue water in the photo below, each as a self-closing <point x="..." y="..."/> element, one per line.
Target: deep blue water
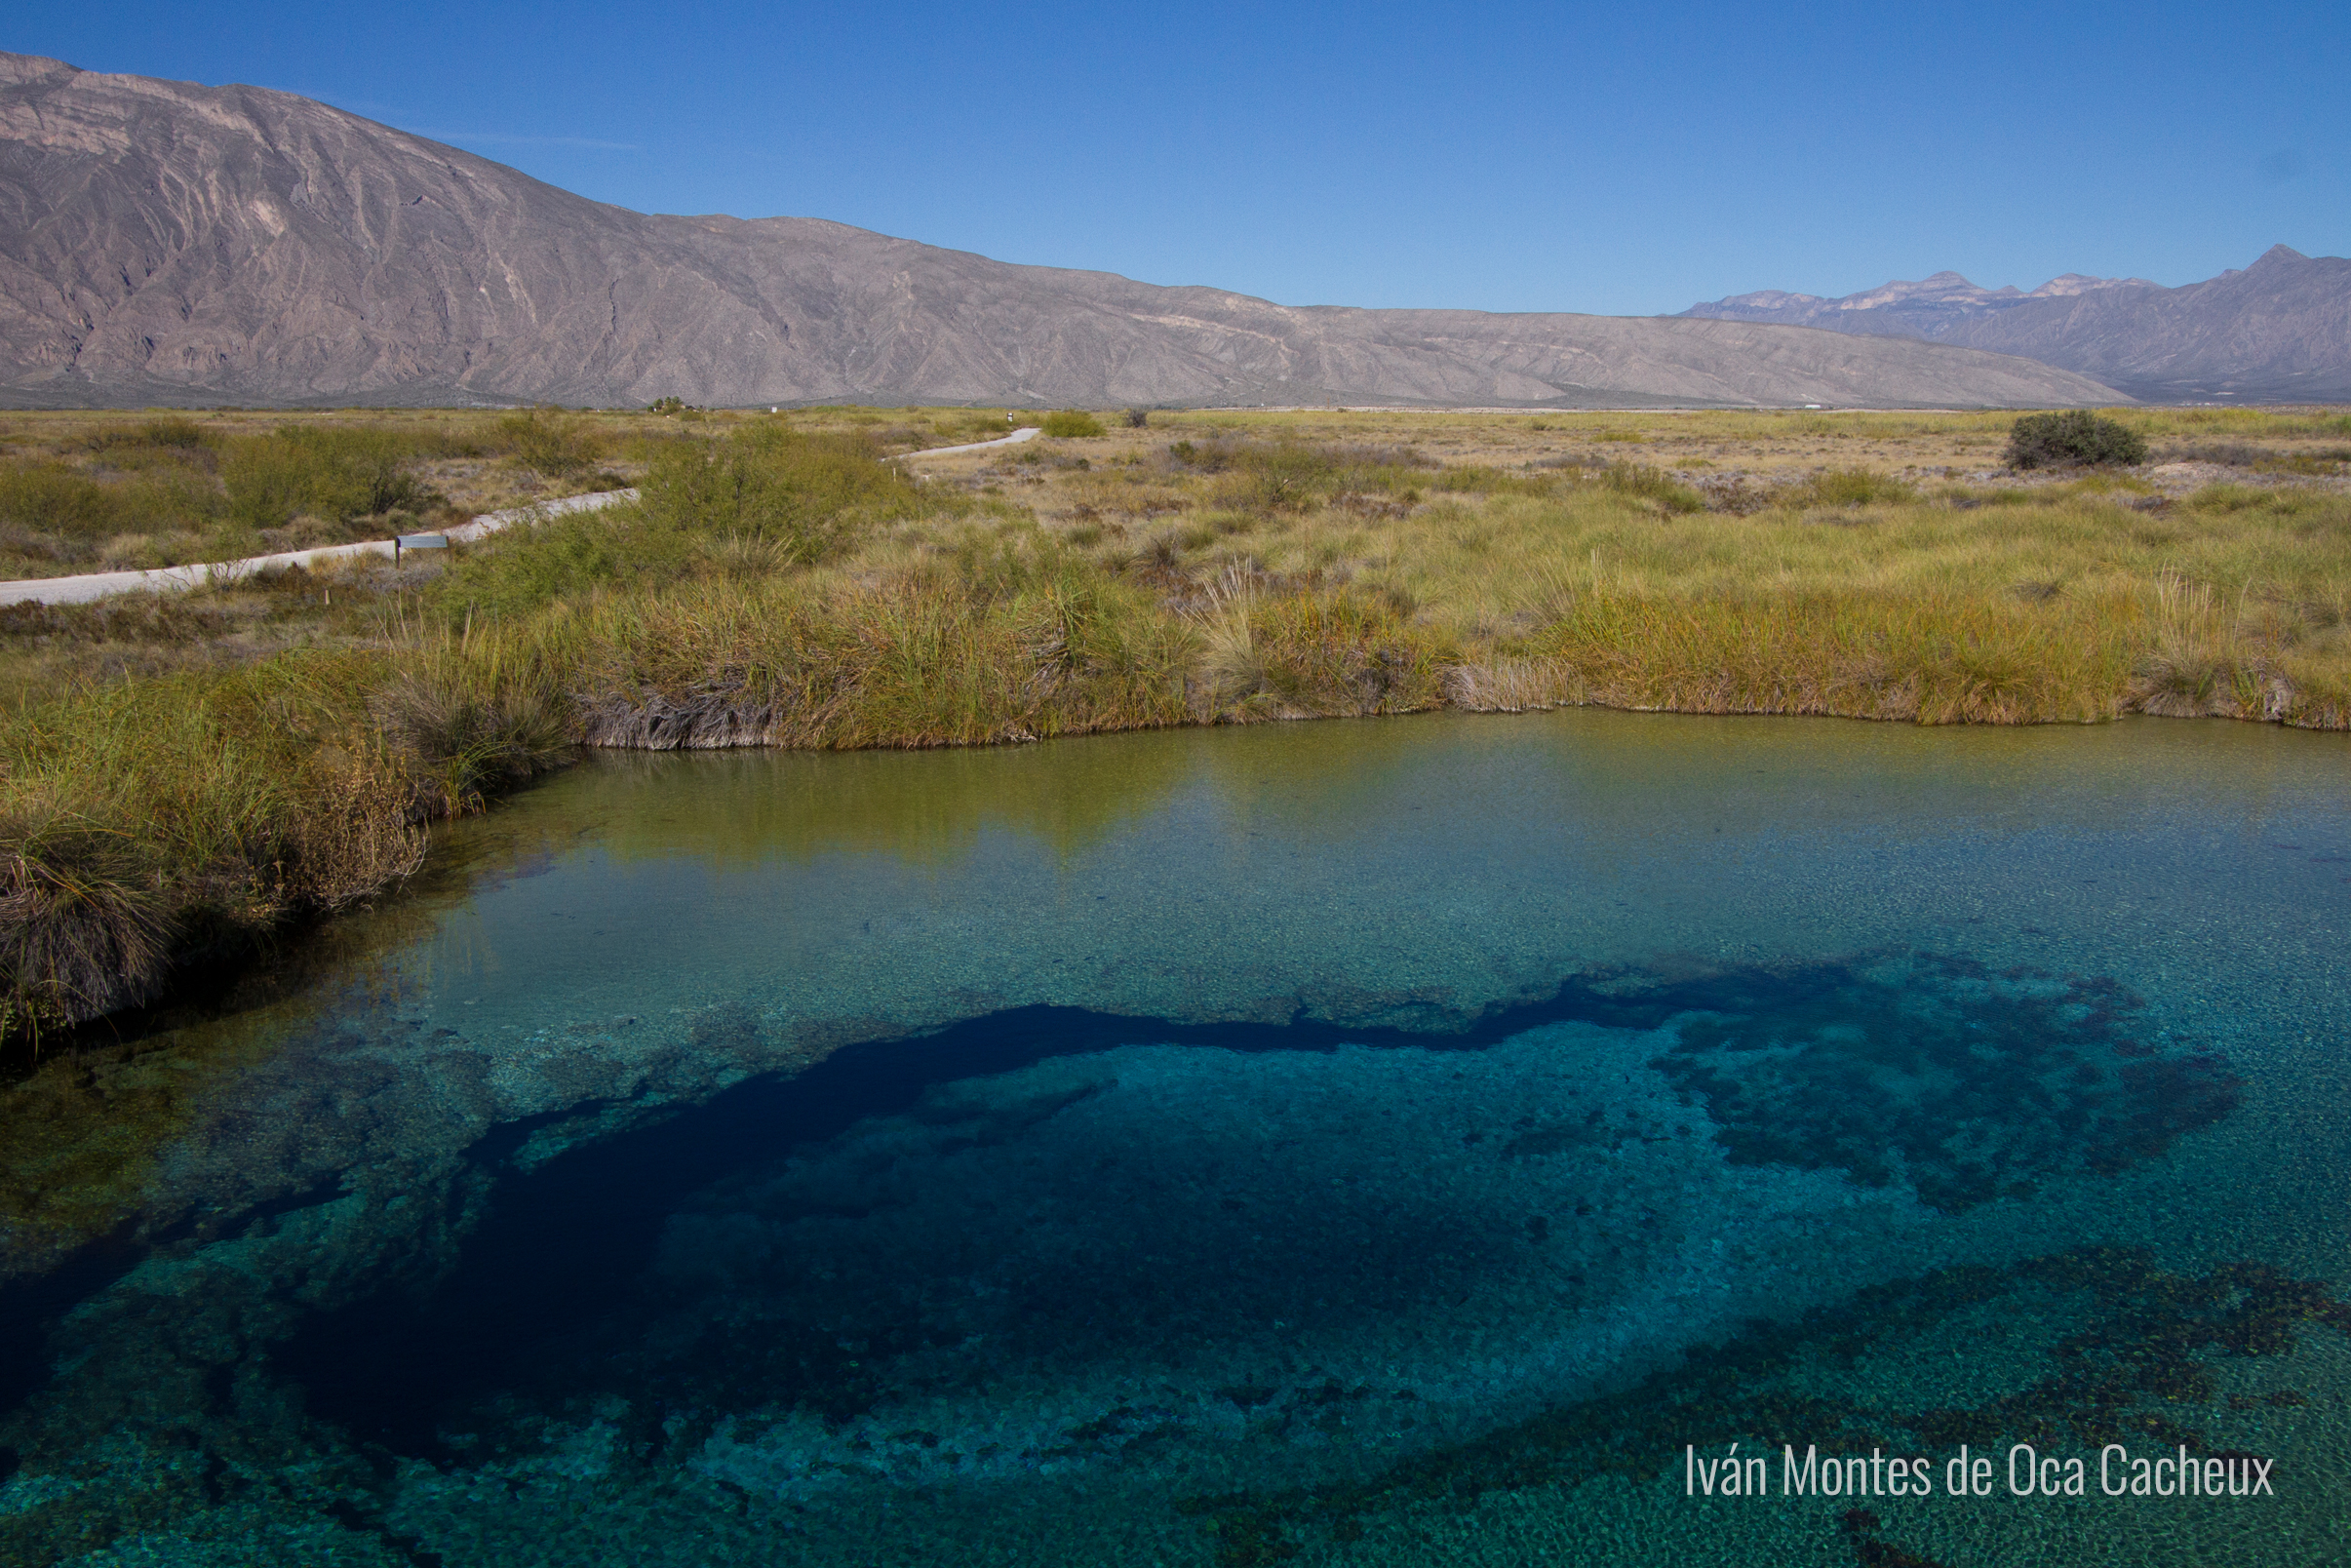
<point x="1405" y="1142"/>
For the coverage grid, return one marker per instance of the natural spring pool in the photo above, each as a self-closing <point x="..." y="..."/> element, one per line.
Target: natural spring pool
<point x="1429" y="1141"/>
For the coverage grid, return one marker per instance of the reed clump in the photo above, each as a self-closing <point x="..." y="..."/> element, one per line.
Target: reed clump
<point x="1925" y="659"/>
<point x="147" y="824"/>
<point x="918" y="657"/>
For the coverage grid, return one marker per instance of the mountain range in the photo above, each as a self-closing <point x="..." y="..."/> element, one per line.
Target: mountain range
<point x="2279" y="331"/>
<point x="164" y="243"/>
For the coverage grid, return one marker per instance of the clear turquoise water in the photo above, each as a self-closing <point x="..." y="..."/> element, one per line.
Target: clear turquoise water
<point x="1398" y="1142"/>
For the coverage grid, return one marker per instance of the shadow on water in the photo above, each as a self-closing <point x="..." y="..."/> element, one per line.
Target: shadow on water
<point x="1966" y="1084"/>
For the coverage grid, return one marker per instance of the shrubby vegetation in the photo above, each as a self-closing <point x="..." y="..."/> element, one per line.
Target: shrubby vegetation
<point x="551" y="442"/>
<point x="112" y="493"/>
<point x="753" y="502"/>
<point x="1072" y="422"/>
<point x="2075" y="436"/>
<point x="336" y="475"/>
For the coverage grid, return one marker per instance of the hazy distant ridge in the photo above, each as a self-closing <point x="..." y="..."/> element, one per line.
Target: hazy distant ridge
<point x="2280" y="328"/>
<point x="168" y="243"/>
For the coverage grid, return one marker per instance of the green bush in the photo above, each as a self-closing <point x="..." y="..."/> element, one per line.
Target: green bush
<point x="550" y="442"/>
<point x="763" y="499"/>
<point x="51" y="511"/>
<point x="336" y="474"/>
<point x="173" y="430"/>
<point x="52" y="499"/>
<point x="526" y="568"/>
<point x="2075" y="436"/>
<point x="172" y="436"/>
<point x="804" y="494"/>
<point x="1072" y="422"/>
<point x="1277" y="477"/>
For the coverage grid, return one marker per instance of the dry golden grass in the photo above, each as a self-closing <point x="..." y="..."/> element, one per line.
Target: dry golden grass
<point x="1873" y="565"/>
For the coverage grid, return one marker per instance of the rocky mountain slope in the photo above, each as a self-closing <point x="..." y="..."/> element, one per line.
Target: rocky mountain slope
<point x="165" y="243"/>
<point x="1930" y="308"/>
<point x="2279" y="330"/>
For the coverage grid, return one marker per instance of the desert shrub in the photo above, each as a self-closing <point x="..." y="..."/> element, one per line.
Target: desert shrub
<point x="167" y="444"/>
<point x="51" y="511"/>
<point x="805" y="494"/>
<point x="1851" y="487"/>
<point x="1072" y="422"/>
<point x="52" y="499"/>
<point x="550" y="442"/>
<point x="173" y="431"/>
<point x="1288" y="476"/>
<point x="1281" y="477"/>
<point x="168" y="500"/>
<point x="1652" y="485"/>
<point x="2075" y="436"/>
<point x="2224" y="498"/>
<point x="326" y="472"/>
<point x="523" y="569"/>
<point x="2244" y="455"/>
<point x="1137" y="418"/>
<point x="2226" y="454"/>
<point x="758" y="502"/>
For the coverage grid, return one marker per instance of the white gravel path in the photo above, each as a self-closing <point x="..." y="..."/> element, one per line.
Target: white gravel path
<point x="82" y="590"/>
<point x="1026" y="433"/>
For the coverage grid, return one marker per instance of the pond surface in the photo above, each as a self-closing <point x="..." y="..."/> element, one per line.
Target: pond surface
<point x="1419" y="1141"/>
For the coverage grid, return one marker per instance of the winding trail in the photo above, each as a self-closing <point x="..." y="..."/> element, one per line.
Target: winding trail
<point x="1025" y="433"/>
<point x="95" y="585"/>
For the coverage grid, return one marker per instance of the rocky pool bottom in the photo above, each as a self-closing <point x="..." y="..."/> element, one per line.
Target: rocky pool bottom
<point x="1525" y="1160"/>
<point x="1271" y="1293"/>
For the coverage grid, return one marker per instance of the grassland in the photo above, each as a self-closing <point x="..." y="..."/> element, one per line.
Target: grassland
<point x="182" y="773"/>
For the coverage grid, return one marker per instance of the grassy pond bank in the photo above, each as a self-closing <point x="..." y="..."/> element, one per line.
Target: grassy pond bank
<point x="180" y="776"/>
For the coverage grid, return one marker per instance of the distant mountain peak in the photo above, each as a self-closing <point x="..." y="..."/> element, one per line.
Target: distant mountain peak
<point x="2068" y="285"/>
<point x="1944" y="292"/>
<point x="2279" y="329"/>
<point x="14" y="68"/>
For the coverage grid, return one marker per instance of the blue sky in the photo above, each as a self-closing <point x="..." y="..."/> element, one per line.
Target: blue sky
<point x="1500" y="157"/>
